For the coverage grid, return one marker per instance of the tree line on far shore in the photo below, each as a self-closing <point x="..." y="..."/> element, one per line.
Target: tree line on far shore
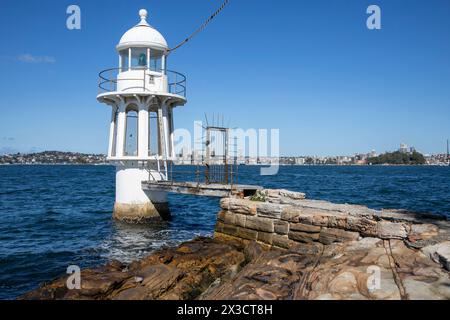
<point x="398" y="157"/>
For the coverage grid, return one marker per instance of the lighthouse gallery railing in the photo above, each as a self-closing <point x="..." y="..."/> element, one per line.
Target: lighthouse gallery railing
<point x="108" y="80"/>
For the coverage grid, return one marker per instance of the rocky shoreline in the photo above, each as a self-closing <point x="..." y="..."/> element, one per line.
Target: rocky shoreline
<point x="280" y="245"/>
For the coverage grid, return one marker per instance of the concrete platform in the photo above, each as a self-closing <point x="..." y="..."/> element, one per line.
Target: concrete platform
<point x="201" y="189"/>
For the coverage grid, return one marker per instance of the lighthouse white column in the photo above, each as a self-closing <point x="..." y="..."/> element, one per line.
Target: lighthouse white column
<point x="172" y="146"/>
<point x="143" y="125"/>
<point x="161" y="136"/>
<point x="120" y="132"/>
<point x="165" y="129"/>
<point x="163" y="64"/>
<point x="112" y="136"/>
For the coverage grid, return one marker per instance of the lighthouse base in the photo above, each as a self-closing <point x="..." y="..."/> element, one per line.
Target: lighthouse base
<point x="141" y="213"/>
<point x="133" y="204"/>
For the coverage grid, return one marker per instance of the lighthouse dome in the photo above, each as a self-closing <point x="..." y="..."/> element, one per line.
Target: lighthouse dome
<point x="142" y="35"/>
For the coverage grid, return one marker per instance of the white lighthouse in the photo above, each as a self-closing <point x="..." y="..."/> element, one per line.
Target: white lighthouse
<point x="142" y="94"/>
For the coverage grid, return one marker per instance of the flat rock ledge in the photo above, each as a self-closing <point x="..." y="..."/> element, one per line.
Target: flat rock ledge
<point x="285" y="247"/>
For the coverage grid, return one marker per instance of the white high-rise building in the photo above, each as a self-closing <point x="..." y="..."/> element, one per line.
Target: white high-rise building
<point x="403" y="148"/>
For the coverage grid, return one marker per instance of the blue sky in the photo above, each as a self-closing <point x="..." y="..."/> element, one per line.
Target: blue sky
<point x="310" y="68"/>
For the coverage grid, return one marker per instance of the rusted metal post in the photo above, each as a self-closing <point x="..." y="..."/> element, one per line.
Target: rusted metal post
<point x="226" y="155"/>
<point x="207" y="155"/>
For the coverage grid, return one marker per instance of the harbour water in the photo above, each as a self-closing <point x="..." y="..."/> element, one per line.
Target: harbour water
<point x="55" y="216"/>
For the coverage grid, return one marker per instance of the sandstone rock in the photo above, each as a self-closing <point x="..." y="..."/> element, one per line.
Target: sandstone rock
<point x="388" y="289"/>
<point x="305" y="216"/>
<point x="304" y="228"/>
<point x="365" y="226"/>
<point x="439" y="253"/>
<point x="220" y="215"/>
<point x="273" y="275"/>
<point x="211" y="269"/>
<point x="422" y="232"/>
<point x="240" y="219"/>
<point x="219" y="226"/>
<point x="290" y="214"/>
<point x="235" y="205"/>
<point x="260" y="224"/>
<point x="330" y="235"/>
<point x="323" y="257"/>
<point x="281" y="227"/>
<point x="227" y="217"/>
<point x="252" y="251"/>
<point x="343" y="284"/>
<point x="157" y="280"/>
<point x="270" y="210"/>
<point x="229" y="229"/>
<point x="443" y="254"/>
<point x="273" y="193"/>
<point x="281" y="241"/>
<point x="364" y="244"/>
<point x="338" y="221"/>
<point x="292" y="194"/>
<point x="246" y="233"/>
<point x="265" y="237"/>
<point x="311" y="249"/>
<point x="391" y="230"/>
<point x="419" y="290"/>
<point x="303" y="236"/>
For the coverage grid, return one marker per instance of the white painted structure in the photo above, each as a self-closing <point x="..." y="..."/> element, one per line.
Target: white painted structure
<point x="142" y="94"/>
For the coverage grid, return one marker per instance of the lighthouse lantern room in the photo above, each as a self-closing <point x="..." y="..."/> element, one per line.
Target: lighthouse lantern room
<point x="143" y="94"/>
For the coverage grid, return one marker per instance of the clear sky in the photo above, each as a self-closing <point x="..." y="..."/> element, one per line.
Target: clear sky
<point x="310" y="68"/>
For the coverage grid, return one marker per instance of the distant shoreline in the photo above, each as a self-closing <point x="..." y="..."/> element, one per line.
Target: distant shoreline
<point x="55" y="164"/>
<point x="247" y="165"/>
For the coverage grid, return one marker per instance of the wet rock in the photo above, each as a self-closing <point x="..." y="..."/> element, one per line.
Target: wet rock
<point x="176" y="273"/>
<point x="286" y="247"/>
<point x="212" y="269"/>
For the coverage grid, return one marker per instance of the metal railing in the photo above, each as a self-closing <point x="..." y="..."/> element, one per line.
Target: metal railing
<point x="223" y="174"/>
<point x="108" y="80"/>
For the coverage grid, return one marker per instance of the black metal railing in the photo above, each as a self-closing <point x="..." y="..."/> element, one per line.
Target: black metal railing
<point x="108" y="80"/>
<point x="225" y="174"/>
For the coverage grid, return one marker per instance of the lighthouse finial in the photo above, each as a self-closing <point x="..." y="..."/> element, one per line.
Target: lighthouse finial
<point x="143" y="15"/>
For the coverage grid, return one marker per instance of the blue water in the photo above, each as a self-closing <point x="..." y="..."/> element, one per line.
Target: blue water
<point x="55" y="216"/>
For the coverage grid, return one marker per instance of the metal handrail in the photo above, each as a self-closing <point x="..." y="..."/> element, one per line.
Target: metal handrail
<point x="176" y="80"/>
